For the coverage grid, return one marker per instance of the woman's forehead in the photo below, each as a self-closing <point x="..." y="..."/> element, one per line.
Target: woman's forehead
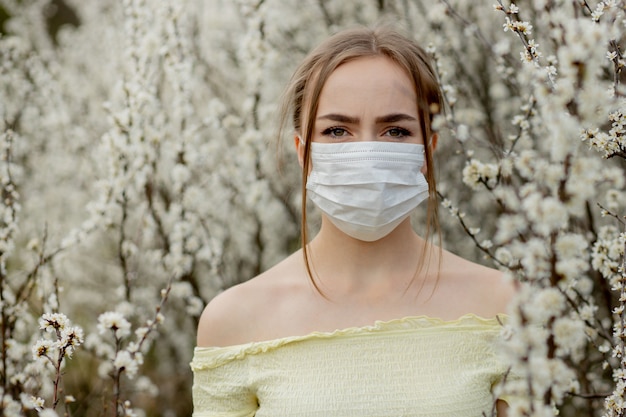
<point x="368" y="83"/>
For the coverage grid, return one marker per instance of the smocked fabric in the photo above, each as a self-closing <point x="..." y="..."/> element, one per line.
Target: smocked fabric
<point x="412" y="367"/>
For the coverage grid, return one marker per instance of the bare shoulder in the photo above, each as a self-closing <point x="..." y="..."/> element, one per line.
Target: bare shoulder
<point x="225" y="316"/>
<point x="479" y="289"/>
<point x="235" y="316"/>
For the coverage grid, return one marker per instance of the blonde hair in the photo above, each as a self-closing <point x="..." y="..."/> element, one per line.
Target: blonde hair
<point x="301" y="99"/>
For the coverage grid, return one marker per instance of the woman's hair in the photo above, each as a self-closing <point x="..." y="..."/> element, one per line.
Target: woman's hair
<point x="301" y="98"/>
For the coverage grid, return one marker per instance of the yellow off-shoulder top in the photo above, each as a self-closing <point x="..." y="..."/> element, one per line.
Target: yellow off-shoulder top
<point x="413" y="367"/>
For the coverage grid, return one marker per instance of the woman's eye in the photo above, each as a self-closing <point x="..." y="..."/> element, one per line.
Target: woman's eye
<point x="398" y="132"/>
<point x="336" y="132"/>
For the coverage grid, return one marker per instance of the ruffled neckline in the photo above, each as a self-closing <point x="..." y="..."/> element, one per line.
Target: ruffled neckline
<point x="211" y="357"/>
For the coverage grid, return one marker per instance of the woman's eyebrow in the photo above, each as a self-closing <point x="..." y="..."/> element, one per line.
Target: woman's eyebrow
<point x="389" y="118"/>
<point x="396" y="117"/>
<point x="341" y="118"/>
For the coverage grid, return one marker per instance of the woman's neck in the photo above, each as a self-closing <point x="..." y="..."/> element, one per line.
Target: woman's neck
<point x="349" y="267"/>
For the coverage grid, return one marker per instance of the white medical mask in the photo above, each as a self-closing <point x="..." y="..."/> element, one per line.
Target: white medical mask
<point x="367" y="188"/>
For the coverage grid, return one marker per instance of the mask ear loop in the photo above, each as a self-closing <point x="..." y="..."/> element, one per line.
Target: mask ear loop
<point x="300" y="149"/>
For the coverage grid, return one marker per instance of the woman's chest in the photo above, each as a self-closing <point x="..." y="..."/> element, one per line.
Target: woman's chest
<point x="361" y="378"/>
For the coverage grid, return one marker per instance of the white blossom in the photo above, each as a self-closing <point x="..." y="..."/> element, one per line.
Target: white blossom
<point x="476" y="173"/>
<point x="52" y="322"/>
<point x="113" y="321"/>
<point x="127" y="362"/>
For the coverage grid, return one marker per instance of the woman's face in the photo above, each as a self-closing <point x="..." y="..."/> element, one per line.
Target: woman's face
<point x="368" y="99"/>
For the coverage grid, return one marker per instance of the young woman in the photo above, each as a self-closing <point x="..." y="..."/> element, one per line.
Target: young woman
<point x="368" y="319"/>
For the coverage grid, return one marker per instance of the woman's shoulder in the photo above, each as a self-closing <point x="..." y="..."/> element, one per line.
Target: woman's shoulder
<point x="237" y="314"/>
<point x="477" y="288"/>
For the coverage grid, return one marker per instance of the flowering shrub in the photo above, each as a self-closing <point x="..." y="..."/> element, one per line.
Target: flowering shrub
<point x="139" y="177"/>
